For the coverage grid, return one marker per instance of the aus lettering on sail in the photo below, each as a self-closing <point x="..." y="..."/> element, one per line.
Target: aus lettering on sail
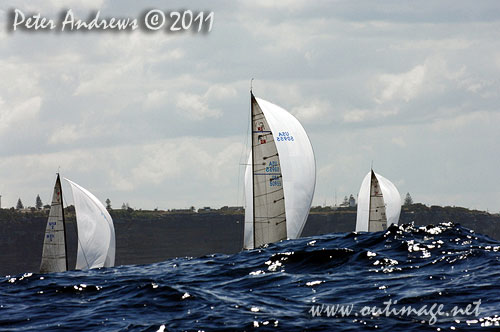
<point x="273" y="167"/>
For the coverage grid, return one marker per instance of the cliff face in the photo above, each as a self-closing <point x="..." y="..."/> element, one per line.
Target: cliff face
<point x="144" y="237"/>
<point x="323" y="221"/>
<point x="479" y="221"/>
<point x="141" y="238"/>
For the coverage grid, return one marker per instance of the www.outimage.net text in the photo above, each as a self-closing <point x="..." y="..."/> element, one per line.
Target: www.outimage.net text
<point x="433" y="311"/>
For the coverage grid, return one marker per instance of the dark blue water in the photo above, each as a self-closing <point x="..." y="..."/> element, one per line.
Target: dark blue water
<point x="280" y="287"/>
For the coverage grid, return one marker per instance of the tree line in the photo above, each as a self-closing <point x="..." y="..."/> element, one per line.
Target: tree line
<point x="39" y="204"/>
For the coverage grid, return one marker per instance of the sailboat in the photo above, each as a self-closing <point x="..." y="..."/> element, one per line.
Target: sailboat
<point x="280" y="176"/>
<point x="96" y="233"/>
<point x="379" y="204"/>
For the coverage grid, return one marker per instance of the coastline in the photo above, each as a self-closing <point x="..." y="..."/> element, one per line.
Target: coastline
<point x="144" y="237"/>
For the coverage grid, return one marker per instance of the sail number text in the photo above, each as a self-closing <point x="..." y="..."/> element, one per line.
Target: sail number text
<point x="275" y="181"/>
<point x="273" y="167"/>
<point x="284" y="136"/>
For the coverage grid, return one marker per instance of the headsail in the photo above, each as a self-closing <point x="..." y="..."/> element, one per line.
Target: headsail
<point x="379" y="204"/>
<point x="54" y="258"/>
<point x="295" y="162"/>
<point x="96" y="233"/>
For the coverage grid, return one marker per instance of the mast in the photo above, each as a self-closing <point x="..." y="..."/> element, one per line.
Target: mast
<point x="252" y="98"/>
<point x="370" y="199"/>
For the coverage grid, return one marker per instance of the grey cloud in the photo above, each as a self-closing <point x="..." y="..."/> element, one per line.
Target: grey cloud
<point x="413" y="87"/>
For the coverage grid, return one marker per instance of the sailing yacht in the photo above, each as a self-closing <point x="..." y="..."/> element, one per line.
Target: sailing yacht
<point x="96" y="233"/>
<point x="280" y="176"/>
<point x="379" y="204"/>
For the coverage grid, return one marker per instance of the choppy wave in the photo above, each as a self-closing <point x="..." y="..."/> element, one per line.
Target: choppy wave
<point x="305" y="284"/>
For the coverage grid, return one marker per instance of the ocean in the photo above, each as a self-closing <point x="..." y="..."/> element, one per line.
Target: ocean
<point x="408" y="278"/>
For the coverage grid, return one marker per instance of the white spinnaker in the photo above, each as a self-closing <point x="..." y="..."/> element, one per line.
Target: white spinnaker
<point x="54" y="244"/>
<point x="298" y="168"/>
<point x="96" y="233"/>
<point x="392" y="201"/>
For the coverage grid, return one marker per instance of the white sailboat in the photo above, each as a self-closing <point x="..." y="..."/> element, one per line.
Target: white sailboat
<point x="379" y="204"/>
<point x="280" y="176"/>
<point x="96" y="233"/>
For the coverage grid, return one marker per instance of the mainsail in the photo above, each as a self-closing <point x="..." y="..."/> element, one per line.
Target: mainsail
<point x="54" y="257"/>
<point x="377" y="219"/>
<point x="269" y="224"/>
<point x="280" y="176"/>
<point x="96" y="233"/>
<point x="379" y="204"/>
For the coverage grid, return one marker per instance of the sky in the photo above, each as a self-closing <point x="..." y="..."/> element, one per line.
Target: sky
<point x="160" y="120"/>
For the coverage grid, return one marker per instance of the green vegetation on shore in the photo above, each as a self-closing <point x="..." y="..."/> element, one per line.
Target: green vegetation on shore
<point x="417" y="209"/>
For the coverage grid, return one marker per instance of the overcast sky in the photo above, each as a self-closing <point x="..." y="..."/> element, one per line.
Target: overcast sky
<point x="161" y="120"/>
